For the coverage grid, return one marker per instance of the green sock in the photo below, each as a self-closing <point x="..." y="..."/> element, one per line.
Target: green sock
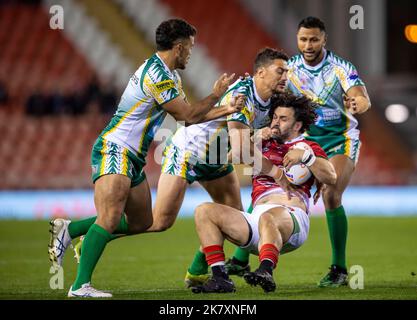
<point x="338" y="229"/>
<point x="241" y="254"/>
<point x="199" y="264"/>
<point x="93" y="246"/>
<point x="81" y="227"/>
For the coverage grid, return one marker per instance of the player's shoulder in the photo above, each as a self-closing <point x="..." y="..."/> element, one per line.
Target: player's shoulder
<point x="295" y="61"/>
<point x="311" y="143"/>
<point x="315" y="147"/>
<point x="335" y="60"/>
<point x="242" y="86"/>
<point x="157" y="70"/>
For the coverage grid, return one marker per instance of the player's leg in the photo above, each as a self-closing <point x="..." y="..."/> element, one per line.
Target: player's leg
<point x="223" y="190"/>
<point x="215" y="222"/>
<point x="106" y="158"/>
<point x="337" y="220"/>
<point x="110" y="195"/>
<point x="169" y="198"/>
<point x="275" y="228"/>
<point x="138" y="209"/>
<point x="239" y="263"/>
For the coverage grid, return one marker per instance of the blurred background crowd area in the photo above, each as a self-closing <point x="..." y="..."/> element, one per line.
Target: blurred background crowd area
<point x="59" y="88"/>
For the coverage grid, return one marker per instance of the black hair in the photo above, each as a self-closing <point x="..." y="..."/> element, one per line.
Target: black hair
<point x="267" y="56"/>
<point x="304" y="108"/>
<point x="172" y="30"/>
<point x="312" y="22"/>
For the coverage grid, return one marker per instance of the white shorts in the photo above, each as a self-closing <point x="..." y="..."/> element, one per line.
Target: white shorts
<point x="298" y="237"/>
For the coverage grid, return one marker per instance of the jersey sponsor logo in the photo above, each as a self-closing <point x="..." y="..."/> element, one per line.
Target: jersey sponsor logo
<point x="164" y="86"/>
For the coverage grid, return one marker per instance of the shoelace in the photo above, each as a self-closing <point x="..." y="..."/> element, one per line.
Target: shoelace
<point x="61" y="248"/>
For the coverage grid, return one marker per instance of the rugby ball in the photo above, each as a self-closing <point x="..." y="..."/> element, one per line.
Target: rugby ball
<point x="299" y="173"/>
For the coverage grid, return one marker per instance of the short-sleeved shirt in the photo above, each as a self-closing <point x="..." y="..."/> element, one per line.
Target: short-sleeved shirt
<point x="203" y="140"/>
<point x="325" y="85"/>
<point x="140" y="114"/>
<point x="275" y="152"/>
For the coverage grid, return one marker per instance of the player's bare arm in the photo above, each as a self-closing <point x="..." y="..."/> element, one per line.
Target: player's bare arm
<point x="240" y="142"/>
<point x="194" y="113"/>
<point x="236" y="105"/>
<point x="321" y="168"/>
<point x="357" y="100"/>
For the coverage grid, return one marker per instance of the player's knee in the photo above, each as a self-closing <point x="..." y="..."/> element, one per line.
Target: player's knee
<point x="108" y="221"/>
<point x="332" y="198"/>
<point x="267" y="219"/>
<point x="202" y="212"/>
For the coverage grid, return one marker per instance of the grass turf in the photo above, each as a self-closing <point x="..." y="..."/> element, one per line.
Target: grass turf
<point x="152" y="266"/>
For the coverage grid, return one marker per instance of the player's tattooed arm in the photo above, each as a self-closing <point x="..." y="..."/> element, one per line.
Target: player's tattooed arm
<point x="357" y="100"/>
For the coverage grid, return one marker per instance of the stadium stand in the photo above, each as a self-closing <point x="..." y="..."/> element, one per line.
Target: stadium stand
<point x="53" y="149"/>
<point x="236" y="27"/>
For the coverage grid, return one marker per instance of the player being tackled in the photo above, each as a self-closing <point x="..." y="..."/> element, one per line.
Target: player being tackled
<point x="279" y="222"/>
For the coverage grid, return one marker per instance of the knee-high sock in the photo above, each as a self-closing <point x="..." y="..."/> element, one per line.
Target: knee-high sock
<point x="338" y="230"/>
<point x="93" y="246"/>
<point x="81" y="227"/>
<point x="199" y="264"/>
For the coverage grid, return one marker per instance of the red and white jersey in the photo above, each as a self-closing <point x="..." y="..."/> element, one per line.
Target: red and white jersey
<point x="274" y="151"/>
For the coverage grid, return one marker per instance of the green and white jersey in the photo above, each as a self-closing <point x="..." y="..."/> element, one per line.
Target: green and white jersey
<point x="201" y="140"/>
<point x="140" y="113"/>
<point x="325" y="85"/>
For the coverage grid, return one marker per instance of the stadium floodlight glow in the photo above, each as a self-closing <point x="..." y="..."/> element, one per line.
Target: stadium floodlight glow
<point x="396" y="113"/>
<point x="411" y="33"/>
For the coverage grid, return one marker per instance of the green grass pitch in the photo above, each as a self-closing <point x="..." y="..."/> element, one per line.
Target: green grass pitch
<point x="152" y="266"/>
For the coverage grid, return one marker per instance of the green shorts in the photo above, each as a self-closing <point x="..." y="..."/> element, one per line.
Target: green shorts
<point x="178" y="162"/>
<point x="110" y="158"/>
<point x="347" y="144"/>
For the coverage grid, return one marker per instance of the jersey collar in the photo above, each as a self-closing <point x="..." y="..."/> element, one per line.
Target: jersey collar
<point x="163" y="63"/>
<point x="257" y="97"/>
<point x="299" y="138"/>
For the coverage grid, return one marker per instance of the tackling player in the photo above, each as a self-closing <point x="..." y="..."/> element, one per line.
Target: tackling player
<point x="334" y="84"/>
<point x="192" y="153"/>
<point x="121" y="192"/>
<point x="279" y="222"/>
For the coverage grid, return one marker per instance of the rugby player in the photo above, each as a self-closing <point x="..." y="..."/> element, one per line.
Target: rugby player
<point x="334" y="84"/>
<point x="121" y="192"/>
<point x="279" y="222"/>
<point x="192" y="153"/>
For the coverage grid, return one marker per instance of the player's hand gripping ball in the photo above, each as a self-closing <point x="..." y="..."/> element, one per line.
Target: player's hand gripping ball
<point x="298" y="173"/>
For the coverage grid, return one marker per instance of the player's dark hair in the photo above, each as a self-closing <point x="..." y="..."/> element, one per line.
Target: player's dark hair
<point x="169" y="31"/>
<point x="304" y="108"/>
<point x="267" y="56"/>
<point x="312" y="22"/>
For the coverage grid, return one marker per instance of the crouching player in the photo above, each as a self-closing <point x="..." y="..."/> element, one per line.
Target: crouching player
<point x="279" y="222"/>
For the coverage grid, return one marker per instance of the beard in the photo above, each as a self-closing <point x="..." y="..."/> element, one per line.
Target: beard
<point x="279" y="136"/>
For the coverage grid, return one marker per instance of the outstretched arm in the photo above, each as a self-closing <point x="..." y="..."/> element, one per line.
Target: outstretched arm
<point x="182" y="111"/>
